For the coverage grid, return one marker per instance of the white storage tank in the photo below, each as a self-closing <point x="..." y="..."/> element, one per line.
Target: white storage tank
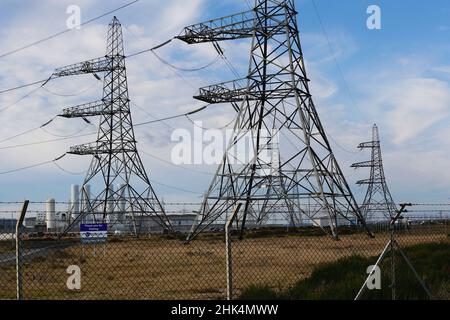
<point x="50" y="214"/>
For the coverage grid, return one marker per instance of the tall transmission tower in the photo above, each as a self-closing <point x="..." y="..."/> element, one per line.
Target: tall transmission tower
<point x="274" y="95"/>
<point x="116" y="167"/>
<point x="378" y="200"/>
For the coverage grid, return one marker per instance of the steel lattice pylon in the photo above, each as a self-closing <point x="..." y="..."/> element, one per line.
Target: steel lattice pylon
<point x="116" y="167"/>
<point x="378" y="199"/>
<point x="274" y="97"/>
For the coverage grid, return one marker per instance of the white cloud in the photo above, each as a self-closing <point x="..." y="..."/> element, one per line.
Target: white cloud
<point x="413" y="106"/>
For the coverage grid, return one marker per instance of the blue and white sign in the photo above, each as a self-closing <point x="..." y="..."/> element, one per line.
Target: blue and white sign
<point x="94" y="233"/>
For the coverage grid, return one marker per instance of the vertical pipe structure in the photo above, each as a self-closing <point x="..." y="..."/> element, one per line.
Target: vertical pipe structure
<point x="12" y="230"/>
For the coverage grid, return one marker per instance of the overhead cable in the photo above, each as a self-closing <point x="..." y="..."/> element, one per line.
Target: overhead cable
<point x="173" y="117"/>
<point x="89" y="134"/>
<point x="28" y="131"/>
<point x="66" y="30"/>
<point x="33" y="166"/>
<point x="338" y="66"/>
<point x="186" y="69"/>
<point x="46" y="141"/>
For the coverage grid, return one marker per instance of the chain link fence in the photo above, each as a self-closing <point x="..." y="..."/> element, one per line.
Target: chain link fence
<point x="271" y="262"/>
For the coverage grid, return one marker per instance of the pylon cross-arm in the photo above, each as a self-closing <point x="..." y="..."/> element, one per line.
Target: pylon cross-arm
<point x="365" y="164"/>
<point x="237" y="90"/>
<point x="91" y="109"/>
<point x="88" y="67"/>
<point x="369" y="145"/>
<point x="236" y="26"/>
<point x="102" y="148"/>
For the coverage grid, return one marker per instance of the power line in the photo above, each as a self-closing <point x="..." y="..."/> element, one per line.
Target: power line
<point x="147" y="50"/>
<point x="21" y="99"/>
<point x="186" y="69"/>
<point x="46" y="141"/>
<point x="89" y="134"/>
<point x="45" y="81"/>
<point x="228" y="63"/>
<point x="431" y="204"/>
<point x="163" y="120"/>
<point x="67" y="136"/>
<point x="177" y="166"/>
<point x="20" y="134"/>
<point x="23" y="86"/>
<point x="66" y="30"/>
<point x="173" y="117"/>
<point x="341" y="147"/>
<point x="338" y="67"/>
<point x="155" y="48"/>
<point x="71" y="94"/>
<point x="203" y="128"/>
<point x="28" y="131"/>
<point x="175" y="188"/>
<point x="67" y="171"/>
<point x="33" y="166"/>
<point x="149" y="114"/>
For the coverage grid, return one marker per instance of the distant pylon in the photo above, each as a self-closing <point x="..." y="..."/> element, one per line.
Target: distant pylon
<point x="275" y="95"/>
<point x="378" y="200"/>
<point x="116" y="168"/>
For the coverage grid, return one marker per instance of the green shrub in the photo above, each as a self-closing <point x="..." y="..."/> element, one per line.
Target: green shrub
<point x="341" y="280"/>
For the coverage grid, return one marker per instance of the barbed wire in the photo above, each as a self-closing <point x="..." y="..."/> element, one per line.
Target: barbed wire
<point x="199" y="203"/>
<point x="431" y="204"/>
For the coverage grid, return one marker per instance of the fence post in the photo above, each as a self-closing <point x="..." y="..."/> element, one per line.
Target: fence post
<point x="229" y="252"/>
<point x="19" y="250"/>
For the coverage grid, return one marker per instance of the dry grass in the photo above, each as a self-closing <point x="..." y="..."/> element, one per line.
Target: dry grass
<point x="6" y="246"/>
<point x="168" y="269"/>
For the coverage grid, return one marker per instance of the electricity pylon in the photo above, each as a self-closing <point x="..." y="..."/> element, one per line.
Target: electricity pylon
<point x="378" y="199"/>
<point x="275" y="95"/>
<point x="116" y="166"/>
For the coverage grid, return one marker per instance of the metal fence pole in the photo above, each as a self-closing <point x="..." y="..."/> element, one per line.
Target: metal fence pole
<point x="19" y="250"/>
<point x="229" y="252"/>
<point x="13" y="242"/>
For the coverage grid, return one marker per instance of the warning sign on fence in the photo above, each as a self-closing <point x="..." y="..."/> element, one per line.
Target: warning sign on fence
<point x="94" y="233"/>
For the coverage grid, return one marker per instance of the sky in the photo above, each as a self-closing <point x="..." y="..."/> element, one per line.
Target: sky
<point x="397" y="77"/>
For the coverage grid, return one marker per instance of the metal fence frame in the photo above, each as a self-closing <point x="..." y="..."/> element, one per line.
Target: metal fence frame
<point x="231" y="280"/>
